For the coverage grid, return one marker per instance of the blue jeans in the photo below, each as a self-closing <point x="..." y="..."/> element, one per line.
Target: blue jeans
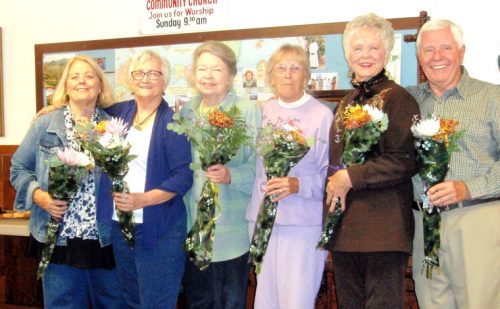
<point x="150" y="277"/>
<point x="223" y="285"/>
<point x="70" y="287"/>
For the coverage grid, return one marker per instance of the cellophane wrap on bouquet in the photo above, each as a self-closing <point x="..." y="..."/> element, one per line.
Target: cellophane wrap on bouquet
<point x="107" y="143"/>
<point x="217" y="138"/>
<point x="67" y="170"/>
<point x="435" y="140"/>
<point x="281" y="146"/>
<point x="364" y="126"/>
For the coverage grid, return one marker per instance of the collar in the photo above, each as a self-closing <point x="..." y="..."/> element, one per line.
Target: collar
<point x="459" y="89"/>
<point x="305" y="97"/>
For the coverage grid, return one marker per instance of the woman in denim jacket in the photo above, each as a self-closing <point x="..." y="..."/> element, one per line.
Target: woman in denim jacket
<point x="81" y="269"/>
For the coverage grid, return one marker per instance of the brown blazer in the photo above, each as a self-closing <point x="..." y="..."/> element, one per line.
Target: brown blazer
<point x="378" y="215"/>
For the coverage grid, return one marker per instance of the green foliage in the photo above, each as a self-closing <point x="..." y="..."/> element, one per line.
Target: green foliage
<point x="216" y="145"/>
<point x="281" y="150"/>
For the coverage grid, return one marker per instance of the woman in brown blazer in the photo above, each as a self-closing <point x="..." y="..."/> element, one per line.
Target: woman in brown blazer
<point x="372" y="242"/>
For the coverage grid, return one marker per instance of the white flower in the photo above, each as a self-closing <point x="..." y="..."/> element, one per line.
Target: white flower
<point x="376" y="114"/>
<point x="72" y="157"/>
<point x="426" y="128"/>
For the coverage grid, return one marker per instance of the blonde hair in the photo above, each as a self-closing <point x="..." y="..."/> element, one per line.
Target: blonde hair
<point x="280" y="53"/>
<point x="372" y="21"/>
<point x="104" y="99"/>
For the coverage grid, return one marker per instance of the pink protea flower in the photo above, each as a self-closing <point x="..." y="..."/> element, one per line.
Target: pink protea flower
<point x="71" y="157"/>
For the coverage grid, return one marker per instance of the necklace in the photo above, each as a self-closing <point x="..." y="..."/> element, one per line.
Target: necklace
<point x="138" y="125"/>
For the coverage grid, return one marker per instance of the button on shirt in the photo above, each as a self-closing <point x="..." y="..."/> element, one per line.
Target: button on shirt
<point x="476" y="106"/>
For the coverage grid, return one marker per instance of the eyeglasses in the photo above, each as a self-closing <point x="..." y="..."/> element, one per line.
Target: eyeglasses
<point x="282" y="68"/>
<point x="151" y="75"/>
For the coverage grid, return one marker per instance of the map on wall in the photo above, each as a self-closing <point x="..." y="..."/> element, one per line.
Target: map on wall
<point x="250" y="55"/>
<point x="328" y="66"/>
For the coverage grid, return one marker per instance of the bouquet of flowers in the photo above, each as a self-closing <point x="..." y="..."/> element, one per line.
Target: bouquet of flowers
<point x="281" y="146"/>
<point x="106" y="142"/>
<point x="363" y="127"/>
<point x="435" y="140"/>
<point x="66" y="172"/>
<point x="217" y="139"/>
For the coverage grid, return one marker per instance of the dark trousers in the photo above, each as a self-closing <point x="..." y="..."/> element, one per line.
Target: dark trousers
<point x="223" y="285"/>
<point x="370" y="280"/>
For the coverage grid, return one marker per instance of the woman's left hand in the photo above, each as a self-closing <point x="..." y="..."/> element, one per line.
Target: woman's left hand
<point x="282" y="187"/>
<point x="219" y="174"/>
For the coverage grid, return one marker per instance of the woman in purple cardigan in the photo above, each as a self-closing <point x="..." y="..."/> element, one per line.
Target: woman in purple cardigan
<point x="292" y="268"/>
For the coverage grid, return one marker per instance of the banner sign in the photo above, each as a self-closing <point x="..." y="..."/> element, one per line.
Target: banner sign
<point x="176" y="16"/>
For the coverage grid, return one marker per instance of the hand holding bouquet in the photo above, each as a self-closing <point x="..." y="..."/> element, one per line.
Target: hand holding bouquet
<point x="217" y="139"/>
<point x="363" y="127"/>
<point x="106" y="142"/>
<point x="435" y="139"/>
<point x="281" y="146"/>
<point x="66" y="172"/>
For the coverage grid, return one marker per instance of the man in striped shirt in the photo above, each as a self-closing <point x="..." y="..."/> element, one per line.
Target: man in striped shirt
<point x="469" y="201"/>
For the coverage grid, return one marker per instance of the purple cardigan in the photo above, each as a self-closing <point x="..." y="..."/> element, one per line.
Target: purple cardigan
<point x="167" y="169"/>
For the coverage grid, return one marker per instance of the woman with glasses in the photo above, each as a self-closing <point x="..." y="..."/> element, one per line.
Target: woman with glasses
<point x="292" y="268"/>
<point x="150" y="271"/>
<point x="223" y="284"/>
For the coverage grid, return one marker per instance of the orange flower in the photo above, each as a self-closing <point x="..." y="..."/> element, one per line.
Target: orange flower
<point x="297" y="136"/>
<point x="356" y="117"/>
<point x="446" y="127"/>
<point x="218" y="118"/>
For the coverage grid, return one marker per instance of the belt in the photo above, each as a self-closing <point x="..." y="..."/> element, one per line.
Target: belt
<point x="418" y="205"/>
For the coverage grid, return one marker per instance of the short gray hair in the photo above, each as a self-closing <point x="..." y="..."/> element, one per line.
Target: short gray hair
<point x="145" y="55"/>
<point x="438" y="24"/>
<point x="372" y="21"/>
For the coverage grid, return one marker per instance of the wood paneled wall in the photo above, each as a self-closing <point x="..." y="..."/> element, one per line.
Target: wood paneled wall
<point x="7" y="193"/>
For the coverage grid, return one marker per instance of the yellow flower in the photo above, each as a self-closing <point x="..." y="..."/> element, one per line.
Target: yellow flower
<point x="101" y="127"/>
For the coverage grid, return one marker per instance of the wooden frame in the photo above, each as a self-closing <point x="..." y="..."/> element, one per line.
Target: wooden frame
<point x="1" y="87"/>
<point x="273" y="32"/>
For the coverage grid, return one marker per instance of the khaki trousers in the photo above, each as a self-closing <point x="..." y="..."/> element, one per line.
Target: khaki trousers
<point x="469" y="256"/>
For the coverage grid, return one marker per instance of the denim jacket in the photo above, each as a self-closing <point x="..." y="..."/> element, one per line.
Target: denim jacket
<point x="29" y="171"/>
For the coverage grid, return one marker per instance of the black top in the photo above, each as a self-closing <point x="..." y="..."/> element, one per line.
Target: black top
<point x="79" y="253"/>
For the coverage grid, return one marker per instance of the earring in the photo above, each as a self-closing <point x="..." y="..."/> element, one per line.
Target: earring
<point x="66" y="98"/>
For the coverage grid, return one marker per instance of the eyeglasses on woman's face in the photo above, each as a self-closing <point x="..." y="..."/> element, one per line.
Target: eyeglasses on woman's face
<point x="283" y="68"/>
<point x="151" y="75"/>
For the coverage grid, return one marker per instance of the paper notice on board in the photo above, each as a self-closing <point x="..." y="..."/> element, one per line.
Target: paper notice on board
<point x="178" y="16"/>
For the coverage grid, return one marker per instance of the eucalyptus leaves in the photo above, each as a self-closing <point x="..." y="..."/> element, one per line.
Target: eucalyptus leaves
<point x="217" y="137"/>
